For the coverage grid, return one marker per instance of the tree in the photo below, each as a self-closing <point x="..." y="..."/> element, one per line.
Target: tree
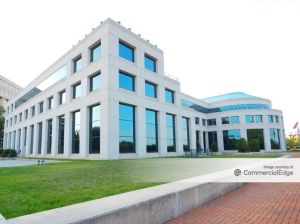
<point x="242" y="145"/>
<point x="292" y="141"/>
<point x="2" y="121"/>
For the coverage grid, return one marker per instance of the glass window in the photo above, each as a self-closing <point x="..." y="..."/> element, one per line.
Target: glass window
<point x="169" y="96"/>
<point x="270" y="118"/>
<point x="150" y="63"/>
<point x="126" y="81"/>
<point x="274" y="138"/>
<point x="185" y="134"/>
<point x="203" y="122"/>
<point x="225" y="120"/>
<point x="32" y="111"/>
<point x="25" y="137"/>
<point x="76" y="90"/>
<point x="62" y="97"/>
<point x="61" y="134"/>
<point x="249" y="119"/>
<point x="95" y="52"/>
<point x="258" y="118"/>
<point x="77" y="64"/>
<point x="49" y="136"/>
<point x="197" y="120"/>
<point x="276" y="119"/>
<point x="41" y="107"/>
<point x="20" y="117"/>
<point x="31" y="138"/>
<point x="126" y="51"/>
<point x="50" y="102"/>
<point x="55" y="77"/>
<point x="151" y="131"/>
<point x="95" y="82"/>
<point x="257" y="135"/>
<point x="75" y="132"/>
<point x="171" y="139"/>
<point x="40" y="132"/>
<point x="150" y="90"/>
<point x="211" y="122"/>
<point x="126" y="128"/>
<point x="230" y="138"/>
<point x="234" y="119"/>
<point x="213" y="141"/>
<point x="26" y="114"/>
<point x="94" y="130"/>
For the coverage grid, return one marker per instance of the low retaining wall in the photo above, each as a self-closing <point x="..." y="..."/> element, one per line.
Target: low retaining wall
<point x="152" y="205"/>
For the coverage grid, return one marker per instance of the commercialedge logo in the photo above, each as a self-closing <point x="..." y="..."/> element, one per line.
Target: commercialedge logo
<point x="238" y="172"/>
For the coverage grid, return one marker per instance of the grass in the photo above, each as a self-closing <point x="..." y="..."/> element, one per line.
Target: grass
<point x="29" y="189"/>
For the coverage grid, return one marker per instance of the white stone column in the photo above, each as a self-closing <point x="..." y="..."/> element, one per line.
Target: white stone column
<point x="35" y="139"/>
<point x="84" y="132"/>
<point x="162" y="133"/>
<point x="140" y="132"/>
<point x="192" y="133"/>
<point x="244" y="133"/>
<point x="22" y="148"/>
<point x="68" y="135"/>
<point x="44" y="139"/>
<point x="27" y="147"/>
<point x="17" y="141"/>
<point x="220" y="141"/>
<point x="282" y="140"/>
<point x="207" y="141"/>
<point x="54" y="144"/>
<point x="267" y="139"/>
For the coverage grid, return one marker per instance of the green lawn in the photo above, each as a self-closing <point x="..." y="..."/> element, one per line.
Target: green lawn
<point x="244" y="156"/>
<point x="29" y="189"/>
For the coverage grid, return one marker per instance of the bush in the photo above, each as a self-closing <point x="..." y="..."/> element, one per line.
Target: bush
<point x="8" y="153"/>
<point x="254" y="145"/>
<point x="242" y="145"/>
<point x="214" y="147"/>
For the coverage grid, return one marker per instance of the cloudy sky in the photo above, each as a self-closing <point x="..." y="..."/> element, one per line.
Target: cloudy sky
<point x="212" y="46"/>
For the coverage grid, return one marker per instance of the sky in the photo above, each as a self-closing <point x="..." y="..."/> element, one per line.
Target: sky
<point x="213" y="46"/>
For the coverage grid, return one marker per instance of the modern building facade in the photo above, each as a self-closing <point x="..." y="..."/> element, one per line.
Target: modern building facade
<point x="109" y="98"/>
<point x="8" y="90"/>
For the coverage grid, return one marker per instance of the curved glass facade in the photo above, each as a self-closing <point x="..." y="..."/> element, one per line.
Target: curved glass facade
<point x="201" y="109"/>
<point x="228" y="96"/>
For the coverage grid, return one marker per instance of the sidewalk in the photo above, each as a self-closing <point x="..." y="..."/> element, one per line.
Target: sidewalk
<point x="252" y="203"/>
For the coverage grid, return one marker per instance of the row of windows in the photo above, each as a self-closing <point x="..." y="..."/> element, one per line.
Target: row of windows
<point x="127" y="52"/>
<point x="127" y="81"/>
<point x="94" y="84"/>
<point x="94" y="133"/>
<point x="236" y="120"/>
<point x="127" y="142"/>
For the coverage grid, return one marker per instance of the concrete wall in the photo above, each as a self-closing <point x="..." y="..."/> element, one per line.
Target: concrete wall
<point x="154" y="205"/>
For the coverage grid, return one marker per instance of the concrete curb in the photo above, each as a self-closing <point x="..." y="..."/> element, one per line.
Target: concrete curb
<point x="152" y="205"/>
<point x="2" y="219"/>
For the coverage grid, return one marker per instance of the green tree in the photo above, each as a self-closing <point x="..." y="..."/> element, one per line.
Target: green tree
<point x="2" y="121"/>
<point x="242" y="145"/>
<point x="292" y="141"/>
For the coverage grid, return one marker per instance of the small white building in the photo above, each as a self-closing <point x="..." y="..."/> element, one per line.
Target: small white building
<point x="109" y="98"/>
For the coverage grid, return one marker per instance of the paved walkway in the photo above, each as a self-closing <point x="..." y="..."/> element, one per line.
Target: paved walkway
<point x="258" y="203"/>
<point x="22" y="162"/>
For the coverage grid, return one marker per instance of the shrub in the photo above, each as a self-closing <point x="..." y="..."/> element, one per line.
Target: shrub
<point x="254" y="145"/>
<point x="8" y="153"/>
<point x="214" y="147"/>
<point x="242" y="145"/>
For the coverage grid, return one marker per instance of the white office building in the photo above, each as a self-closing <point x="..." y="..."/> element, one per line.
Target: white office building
<point x="109" y="98"/>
